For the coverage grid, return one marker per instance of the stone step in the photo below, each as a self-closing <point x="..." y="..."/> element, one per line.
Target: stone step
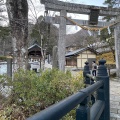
<point x="115" y="106"/>
<point x="115" y="110"/>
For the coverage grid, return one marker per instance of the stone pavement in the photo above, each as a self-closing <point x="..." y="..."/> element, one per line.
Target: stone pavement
<point x="115" y="99"/>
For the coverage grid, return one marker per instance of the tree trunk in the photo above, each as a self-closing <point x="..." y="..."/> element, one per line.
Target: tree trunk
<point x="18" y="18"/>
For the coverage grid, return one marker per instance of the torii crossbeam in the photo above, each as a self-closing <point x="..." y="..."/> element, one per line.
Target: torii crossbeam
<point x="56" y="5"/>
<point x="56" y="20"/>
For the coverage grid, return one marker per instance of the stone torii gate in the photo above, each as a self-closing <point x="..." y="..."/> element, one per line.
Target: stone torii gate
<point x="64" y="8"/>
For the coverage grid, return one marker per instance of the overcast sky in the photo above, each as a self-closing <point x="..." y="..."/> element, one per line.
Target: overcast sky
<point x="87" y="2"/>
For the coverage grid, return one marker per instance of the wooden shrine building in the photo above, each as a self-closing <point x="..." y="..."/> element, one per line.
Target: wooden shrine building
<point x="35" y="56"/>
<point x="34" y="51"/>
<point x="77" y="58"/>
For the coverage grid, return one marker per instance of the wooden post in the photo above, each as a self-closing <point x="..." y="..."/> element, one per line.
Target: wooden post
<point x="9" y="66"/>
<point x="85" y="72"/>
<point x="103" y="93"/>
<point x="83" y="111"/>
<point x="55" y="57"/>
<point x="117" y="48"/>
<point x="61" y="40"/>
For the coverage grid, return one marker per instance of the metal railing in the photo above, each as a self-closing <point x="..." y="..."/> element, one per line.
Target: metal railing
<point x="99" y="110"/>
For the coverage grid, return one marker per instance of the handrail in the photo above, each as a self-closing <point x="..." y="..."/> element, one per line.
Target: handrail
<point x="90" y="89"/>
<point x="91" y="76"/>
<point x="97" y="109"/>
<point x="55" y="111"/>
<point x="60" y="109"/>
<point x="100" y="109"/>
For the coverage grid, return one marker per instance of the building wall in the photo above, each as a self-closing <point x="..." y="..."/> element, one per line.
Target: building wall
<point x="83" y="57"/>
<point x="72" y="61"/>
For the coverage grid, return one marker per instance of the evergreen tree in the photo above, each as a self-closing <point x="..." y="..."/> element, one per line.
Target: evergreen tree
<point x="112" y="3"/>
<point x="108" y="39"/>
<point x="105" y="36"/>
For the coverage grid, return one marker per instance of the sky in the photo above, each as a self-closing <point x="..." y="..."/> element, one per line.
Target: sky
<point x="87" y="2"/>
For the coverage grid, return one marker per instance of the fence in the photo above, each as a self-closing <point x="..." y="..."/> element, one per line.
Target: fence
<point x="99" y="110"/>
<point x="6" y="67"/>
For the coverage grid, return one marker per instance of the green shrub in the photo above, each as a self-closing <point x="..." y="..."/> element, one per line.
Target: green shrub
<point x="3" y="58"/>
<point x="31" y="93"/>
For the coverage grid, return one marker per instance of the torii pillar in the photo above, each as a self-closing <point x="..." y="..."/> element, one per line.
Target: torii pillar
<point x="117" y="48"/>
<point x="61" y="40"/>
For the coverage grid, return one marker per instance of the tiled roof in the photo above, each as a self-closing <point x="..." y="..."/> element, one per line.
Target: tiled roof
<point x="34" y="46"/>
<point x="75" y="52"/>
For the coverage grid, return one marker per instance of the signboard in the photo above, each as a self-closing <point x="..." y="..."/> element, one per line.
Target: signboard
<point x="93" y="19"/>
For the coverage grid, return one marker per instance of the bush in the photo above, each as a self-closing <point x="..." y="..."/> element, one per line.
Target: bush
<point x="31" y="93"/>
<point x="3" y="58"/>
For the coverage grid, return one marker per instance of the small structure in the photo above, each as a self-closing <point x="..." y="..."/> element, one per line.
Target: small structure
<point x="35" y="56"/>
<point x="78" y="57"/>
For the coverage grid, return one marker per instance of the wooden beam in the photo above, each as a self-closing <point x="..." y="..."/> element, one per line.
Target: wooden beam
<point x="56" y="5"/>
<point x="56" y="20"/>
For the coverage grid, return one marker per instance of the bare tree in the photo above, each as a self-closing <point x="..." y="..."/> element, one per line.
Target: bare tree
<point x="18" y="18"/>
<point x="2" y="11"/>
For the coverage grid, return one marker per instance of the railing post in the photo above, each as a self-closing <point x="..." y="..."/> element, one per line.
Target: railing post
<point x="86" y="71"/>
<point x="87" y="80"/>
<point x="103" y="92"/>
<point x="83" y="111"/>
